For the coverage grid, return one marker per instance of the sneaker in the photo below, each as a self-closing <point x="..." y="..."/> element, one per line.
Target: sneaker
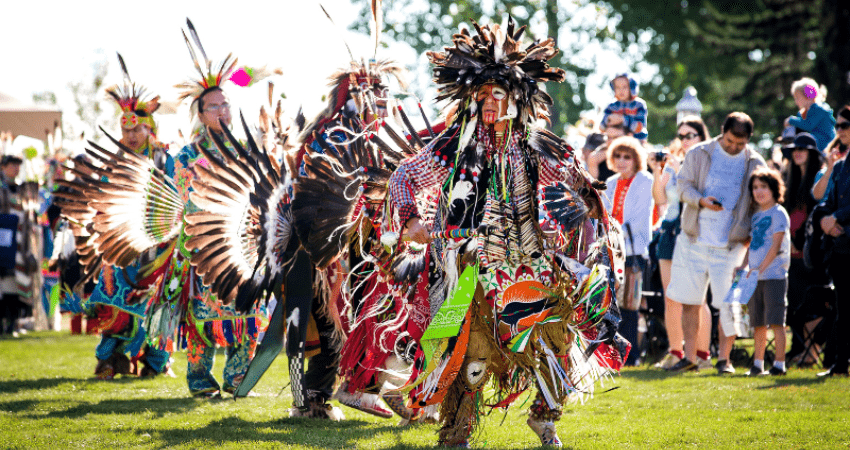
<point x="361" y="401"/>
<point x="755" y="371"/>
<point x="209" y="395"/>
<point x="546" y="432"/>
<point x="775" y="371"/>
<point x="704" y="364"/>
<point x="667" y="362"/>
<point x="684" y="365"/>
<point x="833" y="371"/>
<point x="724" y="366"/>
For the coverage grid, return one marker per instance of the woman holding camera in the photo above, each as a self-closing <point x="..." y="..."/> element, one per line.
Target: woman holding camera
<point x="691" y="131"/>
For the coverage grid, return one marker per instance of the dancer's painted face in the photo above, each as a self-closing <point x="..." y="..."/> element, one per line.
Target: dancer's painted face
<point x="494" y="103"/>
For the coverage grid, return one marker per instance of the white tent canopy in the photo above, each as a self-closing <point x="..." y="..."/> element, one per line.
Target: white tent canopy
<point x="26" y="119"/>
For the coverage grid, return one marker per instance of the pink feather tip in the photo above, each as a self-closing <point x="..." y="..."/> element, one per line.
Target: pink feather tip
<point x="241" y="77"/>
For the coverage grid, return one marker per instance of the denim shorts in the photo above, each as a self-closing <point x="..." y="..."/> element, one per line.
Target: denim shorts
<point x="667" y="238"/>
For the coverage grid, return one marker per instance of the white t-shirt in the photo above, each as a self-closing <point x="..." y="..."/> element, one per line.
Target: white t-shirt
<point x="724" y="183"/>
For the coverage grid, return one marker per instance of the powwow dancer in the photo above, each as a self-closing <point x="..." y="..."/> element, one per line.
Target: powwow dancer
<point x="118" y="303"/>
<point x="181" y="293"/>
<point x="496" y="295"/>
<point x="211" y="322"/>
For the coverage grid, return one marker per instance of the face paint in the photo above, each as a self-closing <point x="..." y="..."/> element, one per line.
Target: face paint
<point x="494" y="103"/>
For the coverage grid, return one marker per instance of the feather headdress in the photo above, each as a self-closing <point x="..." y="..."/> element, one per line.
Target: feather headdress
<point x="212" y="78"/>
<point x="496" y="55"/>
<point x="209" y="78"/>
<point x="135" y="109"/>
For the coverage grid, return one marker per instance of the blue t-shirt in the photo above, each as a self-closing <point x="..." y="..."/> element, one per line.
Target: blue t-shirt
<point x="765" y="224"/>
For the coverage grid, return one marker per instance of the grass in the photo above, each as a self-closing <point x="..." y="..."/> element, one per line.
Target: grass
<point x="49" y="399"/>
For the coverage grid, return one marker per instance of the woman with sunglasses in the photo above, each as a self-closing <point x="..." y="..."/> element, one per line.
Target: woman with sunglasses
<point x="691" y="131"/>
<point x="629" y="198"/>
<point x="836" y="151"/>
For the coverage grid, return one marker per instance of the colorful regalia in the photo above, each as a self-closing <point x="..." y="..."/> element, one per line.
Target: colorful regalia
<point x="185" y="309"/>
<point x="119" y="302"/>
<point x="498" y="296"/>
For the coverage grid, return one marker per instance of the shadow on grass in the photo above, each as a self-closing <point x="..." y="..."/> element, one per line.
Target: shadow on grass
<point x="158" y="406"/>
<point x="294" y="431"/>
<point x="647" y="375"/>
<point x="797" y="382"/>
<point x="287" y="431"/>
<point x="13" y="386"/>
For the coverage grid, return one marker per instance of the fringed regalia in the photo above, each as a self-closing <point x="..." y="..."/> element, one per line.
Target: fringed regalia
<point x="498" y="296"/>
<point x="119" y="301"/>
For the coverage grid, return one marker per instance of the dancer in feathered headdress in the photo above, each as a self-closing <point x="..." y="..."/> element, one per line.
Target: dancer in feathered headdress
<point x="479" y="289"/>
<point x="211" y="321"/>
<point x="119" y="302"/>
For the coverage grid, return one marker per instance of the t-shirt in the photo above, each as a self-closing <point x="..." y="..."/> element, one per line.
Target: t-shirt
<point x="724" y="182"/>
<point x="765" y="224"/>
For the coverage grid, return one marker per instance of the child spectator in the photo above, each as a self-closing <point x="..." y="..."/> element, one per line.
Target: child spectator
<point x="769" y="257"/>
<point x="628" y="106"/>
<point x="814" y="116"/>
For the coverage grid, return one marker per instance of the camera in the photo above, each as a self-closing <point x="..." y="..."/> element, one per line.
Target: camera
<point x="661" y="156"/>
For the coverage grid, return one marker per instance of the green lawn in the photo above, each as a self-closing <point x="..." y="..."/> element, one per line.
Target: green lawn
<point x="49" y="399"/>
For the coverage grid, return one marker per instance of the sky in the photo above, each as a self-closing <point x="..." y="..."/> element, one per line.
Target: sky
<point x="45" y="45"/>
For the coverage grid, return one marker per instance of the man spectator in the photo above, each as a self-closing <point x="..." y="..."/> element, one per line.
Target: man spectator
<point x="11" y="306"/>
<point x="716" y="217"/>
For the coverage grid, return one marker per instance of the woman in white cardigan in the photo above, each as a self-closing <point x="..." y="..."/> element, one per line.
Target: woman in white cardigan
<point x="629" y="199"/>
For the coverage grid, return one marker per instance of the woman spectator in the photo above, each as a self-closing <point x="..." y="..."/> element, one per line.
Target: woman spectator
<point x="691" y="131"/>
<point x="833" y="216"/>
<point x="836" y="151"/>
<point x="629" y="198"/>
<point x="803" y="164"/>
<point x="815" y="116"/>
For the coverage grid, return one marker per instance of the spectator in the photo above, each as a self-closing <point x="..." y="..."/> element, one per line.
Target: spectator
<point x="626" y="106"/>
<point x="593" y="160"/>
<point x="836" y="151"/>
<point x="597" y="161"/>
<point x="629" y="198"/>
<point x="716" y="224"/>
<point x="815" y="116"/>
<point x="691" y="132"/>
<point x="803" y="163"/>
<point x="11" y="305"/>
<point x="833" y="216"/>
<point x="768" y="257"/>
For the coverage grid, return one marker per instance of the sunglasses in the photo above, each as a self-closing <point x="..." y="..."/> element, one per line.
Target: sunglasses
<point x="684" y="137"/>
<point x="618" y="126"/>
<point x="842" y="125"/>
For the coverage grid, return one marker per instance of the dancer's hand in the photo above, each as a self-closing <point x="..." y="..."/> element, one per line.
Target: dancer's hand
<point x="416" y="232"/>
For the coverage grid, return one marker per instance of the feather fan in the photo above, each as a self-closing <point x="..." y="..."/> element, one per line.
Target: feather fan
<point x="241" y="233"/>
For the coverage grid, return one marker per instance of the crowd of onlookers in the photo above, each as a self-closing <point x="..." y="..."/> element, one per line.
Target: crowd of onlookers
<point x="762" y="240"/>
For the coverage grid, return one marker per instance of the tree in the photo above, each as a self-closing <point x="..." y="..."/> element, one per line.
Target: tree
<point x="87" y="100"/>
<point x="429" y="27"/>
<point x="739" y="55"/>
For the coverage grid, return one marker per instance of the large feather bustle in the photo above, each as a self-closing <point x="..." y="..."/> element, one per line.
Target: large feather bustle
<point x="137" y="206"/>
<point x="497" y="54"/>
<point x="340" y="182"/>
<point x="243" y="227"/>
